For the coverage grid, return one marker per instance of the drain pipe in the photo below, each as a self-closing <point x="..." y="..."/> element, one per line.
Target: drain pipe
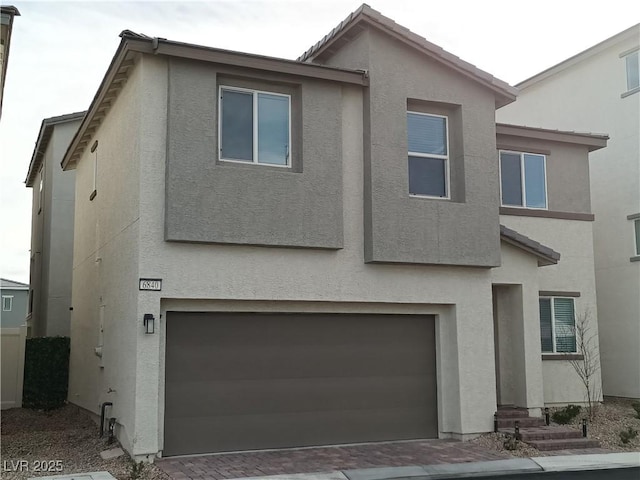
<point x="102" y="416"/>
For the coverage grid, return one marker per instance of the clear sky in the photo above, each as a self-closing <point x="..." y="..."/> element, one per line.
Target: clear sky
<point x="61" y="50"/>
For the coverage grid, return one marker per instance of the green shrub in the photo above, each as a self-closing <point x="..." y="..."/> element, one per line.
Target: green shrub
<point x="511" y="443"/>
<point x="46" y="372"/>
<point x="566" y="414"/>
<point x="627" y="435"/>
<point x="636" y="407"/>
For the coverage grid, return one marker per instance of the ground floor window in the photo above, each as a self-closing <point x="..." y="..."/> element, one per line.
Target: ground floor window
<point x="557" y="325"/>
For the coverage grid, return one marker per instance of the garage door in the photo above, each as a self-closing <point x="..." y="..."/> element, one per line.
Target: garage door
<point x="242" y="381"/>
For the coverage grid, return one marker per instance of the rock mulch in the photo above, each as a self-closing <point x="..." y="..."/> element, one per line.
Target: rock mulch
<point x="69" y="435"/>
<point x="612" y="416"/>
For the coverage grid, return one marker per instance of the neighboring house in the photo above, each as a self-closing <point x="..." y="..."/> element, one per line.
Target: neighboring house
<point x="7" y="12"/>
<point x="14" y="303"/>
<point x="51" y="228"/>
<point x="598" y="90"/>
<point x="274" y="253"/>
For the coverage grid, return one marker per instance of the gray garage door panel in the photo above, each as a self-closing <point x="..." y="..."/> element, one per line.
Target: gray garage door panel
<point x="250" y="381"/>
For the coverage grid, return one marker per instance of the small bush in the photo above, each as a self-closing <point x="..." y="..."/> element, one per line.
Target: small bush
<point x="636" y="407"/>
<point x="511" y="443"/>
<point x="46" y="373"/>
<point x="566" y="414"/>
<point x="135" y="470"/>
<point x="627" y="435"/>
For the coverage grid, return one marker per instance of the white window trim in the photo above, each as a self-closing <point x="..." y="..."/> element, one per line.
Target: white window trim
<point x="255" y="93"/>
<point x="624" y="55"/>
<point x="522" y="180"/>
<point x="41" y="190"/>
<point x="553" y="326"/>
<point x="447" y="188"/>
<point x="10" y="298"/>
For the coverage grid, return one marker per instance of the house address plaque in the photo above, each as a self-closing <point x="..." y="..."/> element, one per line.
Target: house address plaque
<point x="154" y="284"/>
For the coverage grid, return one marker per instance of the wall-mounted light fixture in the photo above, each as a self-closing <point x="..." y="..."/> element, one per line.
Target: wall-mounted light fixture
<point x="149" y="323"/>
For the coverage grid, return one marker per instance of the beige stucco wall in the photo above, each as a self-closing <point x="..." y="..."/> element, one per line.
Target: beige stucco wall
<point x="573" y="273"/>
<point x="518" y="329"/>
<point x="587" y="97"/>
<point x="105" y="268"/>
<point x="199" y="277"/>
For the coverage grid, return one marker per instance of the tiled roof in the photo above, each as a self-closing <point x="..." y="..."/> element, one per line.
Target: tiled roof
<point x="546" y="255"/>
<point x="367" y="14"/>
<point x="12" y="284"/>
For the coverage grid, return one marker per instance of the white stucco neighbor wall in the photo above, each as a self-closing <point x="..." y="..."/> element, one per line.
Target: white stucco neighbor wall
<point x="105" y="268"/>
<point x="218" y="277"/>
<point x="573" y="273"/>
<point x="587" y="96"/>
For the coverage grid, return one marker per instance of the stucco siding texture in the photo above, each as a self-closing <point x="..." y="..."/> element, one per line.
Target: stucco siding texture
<point x="567" y="171"/>
<point x="105" y="268"/>
<point x="573" y="273"/>
<point x="213" y="201"/>
<point x="587" y="97"/>
<point x="404" y="229"/>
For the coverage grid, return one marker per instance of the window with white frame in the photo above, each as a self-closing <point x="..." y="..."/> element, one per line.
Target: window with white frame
<point x="557" y="325"/>
<point x="428" y="145"/>
<point x="633" y="70"/>
<point x="523" y="179"/>
<point x="7" y="303"/>
<point x="255" y="127"/>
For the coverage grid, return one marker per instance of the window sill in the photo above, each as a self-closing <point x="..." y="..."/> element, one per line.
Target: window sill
<point x="562" y="356"/>
<point x="635" y="258"/>
<point x="93" y="195"/>
<point x="529" y="212"/>
<point x="630" y="92"/>
<point x="428" y="197"/>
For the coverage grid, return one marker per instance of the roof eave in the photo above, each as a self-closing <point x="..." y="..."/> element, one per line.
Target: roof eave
<point x="545" y="255"/>
<point x="42" y="142"/>
<point x="505" y="93"/>
<point x="593" y="141"/>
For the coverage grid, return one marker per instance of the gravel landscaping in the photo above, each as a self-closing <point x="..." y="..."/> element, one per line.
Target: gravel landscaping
<point x="70" y="436"/>
<point x="612" y="417"/>
<point x="67" y="435"/>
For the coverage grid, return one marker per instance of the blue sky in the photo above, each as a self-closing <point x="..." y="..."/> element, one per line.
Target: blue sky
<point x="60" y="51"/>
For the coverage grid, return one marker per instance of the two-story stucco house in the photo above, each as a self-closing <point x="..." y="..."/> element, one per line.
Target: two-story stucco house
<point x="273" y="253"/>
<point x="51" y="228"/>
<point x="599" y="90"/>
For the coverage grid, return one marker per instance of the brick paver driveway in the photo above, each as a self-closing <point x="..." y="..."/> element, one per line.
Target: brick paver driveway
<point x="323" y="459"/>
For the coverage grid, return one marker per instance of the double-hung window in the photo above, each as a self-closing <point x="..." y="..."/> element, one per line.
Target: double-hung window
<point x="255" y="127"/>
<point x="428" y="145"/>
<point x="633" y="71"/>
<point x="523" y="179"/>
<point x="7" y="303"/>
<point x="557" y="325"/>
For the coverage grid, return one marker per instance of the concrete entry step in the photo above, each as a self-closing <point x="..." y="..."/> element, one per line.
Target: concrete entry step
<point x="512" y="412"/>
<point x="544" y="433"/>
<point x="522" y="421"/>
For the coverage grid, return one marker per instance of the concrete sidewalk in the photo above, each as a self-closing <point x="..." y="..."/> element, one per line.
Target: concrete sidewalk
<point x="554" y="464"/>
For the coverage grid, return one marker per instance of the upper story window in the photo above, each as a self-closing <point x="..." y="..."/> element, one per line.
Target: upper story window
<point x="636" y="229"/>
<point x="428" y="145"/>
<point x="94" y="185"/>
<point x="255" y="127"/>
<point x="523" y="180"/>
<point x="7" y="303"/>
<point x="41" y="190"/>
<point x="633" y="71"/>
<point x="557" y="325"/>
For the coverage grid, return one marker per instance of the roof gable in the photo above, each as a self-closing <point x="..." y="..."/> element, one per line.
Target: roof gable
<point x="545" y="255"/>
<point x="366" y="16"/>
<point x="7" y="284"/>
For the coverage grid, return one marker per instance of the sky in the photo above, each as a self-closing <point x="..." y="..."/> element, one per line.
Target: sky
<point x="61" y="50"/>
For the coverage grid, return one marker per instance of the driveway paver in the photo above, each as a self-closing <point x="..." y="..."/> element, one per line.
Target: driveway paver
<point x="323" y="459"/>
